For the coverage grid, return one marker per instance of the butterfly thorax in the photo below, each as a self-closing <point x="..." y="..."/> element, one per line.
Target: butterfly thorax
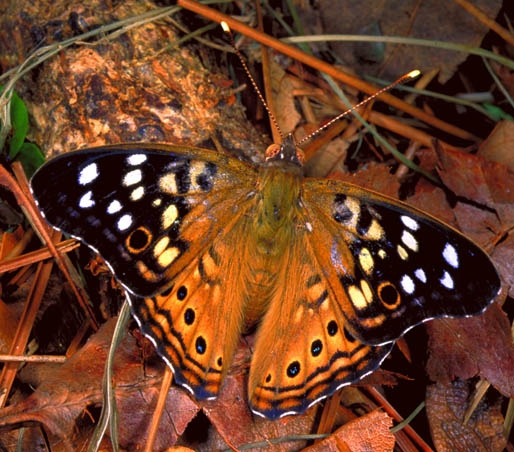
<point x="273" y="230"/>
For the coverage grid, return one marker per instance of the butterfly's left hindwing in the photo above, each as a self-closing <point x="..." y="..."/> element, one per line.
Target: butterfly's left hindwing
<point x="142" y="206"/>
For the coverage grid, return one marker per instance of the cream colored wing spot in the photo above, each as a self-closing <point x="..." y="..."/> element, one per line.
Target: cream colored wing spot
<point x="169" y="216"/>
<point x="373" y="322"/>
<point x="402" y="252"/>
<point x="167" y="257"/>
<point x="138" y="193"/>
<point x="366" y="261"/>
<point x="358" y="299"/>
<point x="209" y="266"/>
<point x="145" y="272"/>
<point x="160" y="246"/>
<point x="315" y="291"/>
<point x="168" y="183"/>
<point x="196" y="169"/>
<point x="382" y="254"/>
<point x="375" y="231"/>
<point x="157" y="202"/>
<point x="354" y="207"/>
<point x="366" y="290"/>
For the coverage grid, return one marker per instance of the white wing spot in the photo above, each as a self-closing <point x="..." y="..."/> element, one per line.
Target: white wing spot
<point x="138" y="193"/>
<point x="308" y="226"/>
<point x="447" y="281"/>
<point x="136" y="159"/>
<point x="407" y="284"/>
<point x="124" y="222"/>
<point x="88" y="174"/>
<point x="410" y="241"/>
<point x="132" y="177"/>
<point x="86" y="201"/>
<point x="412" y="224"/>
<point x="114" y="206"/>
<point x="450" y="256"/>
<point x="420" y="274"/>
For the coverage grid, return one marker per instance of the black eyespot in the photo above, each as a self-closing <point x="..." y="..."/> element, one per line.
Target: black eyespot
<point x="316" y="347"/>
<point x="332" y="328"/>
<point x="182" y="293"/>
<point x="293" y="369"/>
<point x="219" y="361"/>
<point x="348" y="335"/>
<point x="189" y="316"/>
<point x="268" y="378"/>
<point x="200" y="345"/>
<point x="138" y="240"/>
<point x="388" y="294"/>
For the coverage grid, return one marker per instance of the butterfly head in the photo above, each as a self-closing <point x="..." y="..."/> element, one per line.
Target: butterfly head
<point x="285" y="153"/>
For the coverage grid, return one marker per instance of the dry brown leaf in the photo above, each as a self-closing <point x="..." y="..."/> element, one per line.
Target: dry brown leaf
<point x="283" y="87"/>
<point x="374" y="176"/>
<point x="331" y="158"/>
<point x="479" y="345"/>
<point x="232" y="419"/>
<point x="370" y="432"/>
<point x="499" y="144"/>
<point x="490" y="213"/>
<point x="446" y="405"/>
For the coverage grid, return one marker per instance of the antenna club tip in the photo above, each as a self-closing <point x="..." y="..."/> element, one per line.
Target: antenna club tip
<point x="414" y="73"/>
<point x="225" y="27"/>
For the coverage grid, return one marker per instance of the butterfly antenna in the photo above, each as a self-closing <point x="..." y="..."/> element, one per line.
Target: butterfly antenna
<point x="227" y="30"/>
<point x="406" y="77"/>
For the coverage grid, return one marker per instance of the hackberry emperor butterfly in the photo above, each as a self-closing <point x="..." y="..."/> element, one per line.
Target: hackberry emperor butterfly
<point x="206" y="245"/>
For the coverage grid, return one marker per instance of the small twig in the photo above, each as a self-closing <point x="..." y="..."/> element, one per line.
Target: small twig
<point x="36" y="256"/>
<point x="33" y="358"/>
<point x="157" y="413"/>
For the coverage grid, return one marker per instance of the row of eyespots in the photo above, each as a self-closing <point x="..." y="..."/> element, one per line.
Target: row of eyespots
<point x="189" y="319"/>
<point x="293" y="369"/>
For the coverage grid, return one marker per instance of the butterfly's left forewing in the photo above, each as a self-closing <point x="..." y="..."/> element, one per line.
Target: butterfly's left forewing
<point x="142" y="207"/>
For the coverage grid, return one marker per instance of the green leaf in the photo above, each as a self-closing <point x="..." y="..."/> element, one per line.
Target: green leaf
<point x="30" y="157"/>
<point x="20" y="123"/>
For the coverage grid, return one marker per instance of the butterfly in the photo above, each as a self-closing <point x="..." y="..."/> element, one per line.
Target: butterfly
<point x="208" y="247"/>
